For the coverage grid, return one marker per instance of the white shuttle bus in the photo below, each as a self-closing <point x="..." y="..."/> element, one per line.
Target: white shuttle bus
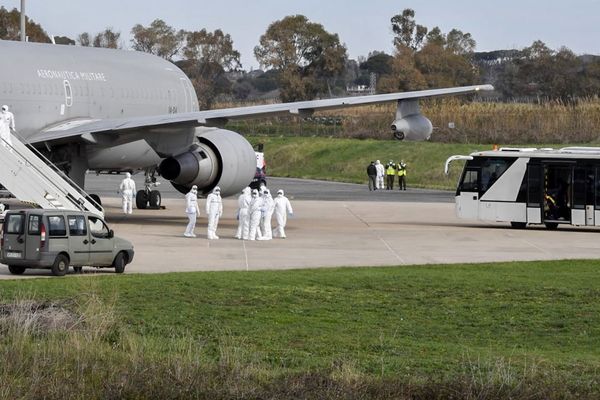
<point x="531" y="186"/>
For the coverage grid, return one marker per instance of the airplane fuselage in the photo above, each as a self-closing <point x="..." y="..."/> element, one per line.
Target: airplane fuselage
<point x="49" y="85"/>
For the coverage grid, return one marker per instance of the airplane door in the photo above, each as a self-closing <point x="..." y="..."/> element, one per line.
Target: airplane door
<point x="68" y="97"/>
<point x="187" y="95"/>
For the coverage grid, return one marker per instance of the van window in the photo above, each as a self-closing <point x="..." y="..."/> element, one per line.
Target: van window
<point x="56" y="226"/>
<point x="98" y="228"/>
<point x="33" y="227"/>
<point x="77" y="225"/>
<point x="14" y="224"/>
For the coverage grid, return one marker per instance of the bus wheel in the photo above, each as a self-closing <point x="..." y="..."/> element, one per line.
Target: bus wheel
<point x="551" y="225"/>
<point x="518" y="225"/>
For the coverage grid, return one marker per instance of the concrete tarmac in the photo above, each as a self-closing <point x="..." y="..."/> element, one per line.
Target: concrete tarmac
<point x="335" y="234"/>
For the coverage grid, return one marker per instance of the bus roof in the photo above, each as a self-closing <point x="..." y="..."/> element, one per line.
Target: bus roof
<point x="532" y="152"/>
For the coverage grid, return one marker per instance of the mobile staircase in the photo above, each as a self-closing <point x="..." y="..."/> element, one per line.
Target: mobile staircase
<point x="32" y="178"/>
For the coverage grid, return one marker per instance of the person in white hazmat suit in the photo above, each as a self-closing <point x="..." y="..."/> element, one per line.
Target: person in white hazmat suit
<point x="214" y="210"/>
<point x="255" y="212"/>
<point x="267" y="214"/>
<point x="127" y="189"/>
<point x="192" y="210"/>
<point x="282" y="209"/>
<point x="7" y="123"/>
<point x="380" y="175"/>
<point x="242" y="214"/>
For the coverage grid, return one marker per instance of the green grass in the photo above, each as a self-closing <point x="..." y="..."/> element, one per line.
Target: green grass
<point x="346" y="160"/>
<point x="423" y="323"/>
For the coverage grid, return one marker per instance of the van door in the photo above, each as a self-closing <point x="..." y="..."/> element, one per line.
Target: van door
<point x="34" y="237"/>
<point x="101" y="245"/>
<point x="79" y="240"/>
<point x="14" y="241"/>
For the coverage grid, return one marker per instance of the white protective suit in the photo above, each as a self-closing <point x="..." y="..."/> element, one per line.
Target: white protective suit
<point x="127" y="189"/>
<point x="282" y="209"/>
<point x="267" y="214"/>
<point x="255" y="212"/>
<point x="192" y="210"/>
<point x="214" y="210"/>
<point x="380" y="174"/>
<point x="242" y="214"/>
<point x="7" y="123"/>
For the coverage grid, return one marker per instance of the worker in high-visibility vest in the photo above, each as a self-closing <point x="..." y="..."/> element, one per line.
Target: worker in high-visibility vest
<point x="390" y="172"/>
<point x="402" y="175"/>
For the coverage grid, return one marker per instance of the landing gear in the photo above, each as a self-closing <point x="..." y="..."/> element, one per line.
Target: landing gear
<point x="149" y="198"/>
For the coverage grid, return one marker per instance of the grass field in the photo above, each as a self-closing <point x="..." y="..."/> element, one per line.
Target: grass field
<point x="468" y="331"/>
<point x="346" y="160"/>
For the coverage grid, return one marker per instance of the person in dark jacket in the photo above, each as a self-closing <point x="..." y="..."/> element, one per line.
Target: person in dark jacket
<point x="372" y="173"/>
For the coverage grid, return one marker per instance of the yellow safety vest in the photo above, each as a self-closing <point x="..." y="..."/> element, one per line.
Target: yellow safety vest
<point x="391" y="170"/>
<point x="402" y="171"/>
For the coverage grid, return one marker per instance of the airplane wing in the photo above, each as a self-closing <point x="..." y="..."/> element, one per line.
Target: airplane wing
<point x="89" y="129"/>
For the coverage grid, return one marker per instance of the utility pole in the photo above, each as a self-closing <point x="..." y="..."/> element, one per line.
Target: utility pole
<point x="23" y="34"/>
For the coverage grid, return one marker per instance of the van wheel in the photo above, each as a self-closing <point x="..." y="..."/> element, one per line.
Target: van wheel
<point x="16" y="270"/>
<point x="61" y="265"/>
<point x="119" y="263"/>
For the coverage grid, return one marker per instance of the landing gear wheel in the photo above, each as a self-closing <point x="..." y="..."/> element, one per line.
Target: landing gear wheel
<point x="141" y="200"/>
<point x="96" y="198"/>
<point x="60" y="266"/>
<point x="155" y="199"/>
<point x="399" y="135"/>
<point x="551" y="225"/>
<point x="16" y="270"/>
<point x="119" y="263"/>
<point x="518" y="225"/>
<point x="78" y="270"/>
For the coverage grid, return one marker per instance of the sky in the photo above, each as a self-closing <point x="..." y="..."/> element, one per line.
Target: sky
<point x="363" y="26"/>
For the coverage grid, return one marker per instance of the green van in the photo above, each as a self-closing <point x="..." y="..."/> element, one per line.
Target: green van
<point x="57" y="239"/>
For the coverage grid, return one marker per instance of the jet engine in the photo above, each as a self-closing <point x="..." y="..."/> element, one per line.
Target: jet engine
<point x="220" y="158"/>
<point x="410" y="124"/>
<point x="412" y="127"/>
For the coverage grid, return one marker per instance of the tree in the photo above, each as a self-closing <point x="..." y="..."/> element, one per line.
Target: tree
<point x="10" y="27"/>
<point x="108" y="39"/>
<point x="307" y="56"/>
<point x="208" y="56"/>
<point x="159" y="39"/>
<point x="460" y="43"/>
<point x="408" y="32"/>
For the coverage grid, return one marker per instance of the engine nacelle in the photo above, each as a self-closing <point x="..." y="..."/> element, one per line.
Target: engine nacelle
<point x="220" y="158"/>
<point x="412" y="127"/>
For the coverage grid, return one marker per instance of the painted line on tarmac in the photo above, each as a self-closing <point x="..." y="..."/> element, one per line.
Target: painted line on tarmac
<point x="391" y="250"/>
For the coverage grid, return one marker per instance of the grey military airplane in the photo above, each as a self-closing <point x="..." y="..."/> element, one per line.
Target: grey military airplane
<point x="115" y="110"/>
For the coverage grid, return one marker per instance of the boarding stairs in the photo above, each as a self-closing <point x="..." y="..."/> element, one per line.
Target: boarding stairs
<point x="32" y="178"/>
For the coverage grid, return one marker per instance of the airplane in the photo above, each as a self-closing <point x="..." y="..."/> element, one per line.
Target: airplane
<point x="111" y="110"/>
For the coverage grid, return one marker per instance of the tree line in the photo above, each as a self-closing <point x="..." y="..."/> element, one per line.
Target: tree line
<point x="301" y="60"/>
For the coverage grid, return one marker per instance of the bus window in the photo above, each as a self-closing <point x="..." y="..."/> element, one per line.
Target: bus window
<point x="492" y="169"/>
<point x="470" y="181"/>
<point x="534" y="187"/>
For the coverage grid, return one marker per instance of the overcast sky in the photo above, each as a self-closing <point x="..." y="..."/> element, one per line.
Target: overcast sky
<point x="362" y="25"/>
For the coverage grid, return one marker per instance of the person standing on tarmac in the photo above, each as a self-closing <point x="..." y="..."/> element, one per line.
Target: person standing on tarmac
<point x="390" y="171"/>
<point x="242" y="214"/>
<point x="380" y="174"/>
<point x="127" y="189"/>
<point x="7" y="123"/>
<point x="214" y="210"/>
<point x="192" y="210"/>
<point x="372" y="174"/>
<point x="401" y="175"/>
<point x="267" y="214"/>
<point x="255" y="212"/>
<point x="283" y="208"/>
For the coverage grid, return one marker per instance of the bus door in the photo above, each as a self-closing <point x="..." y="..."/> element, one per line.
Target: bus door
<point x="584" y="184"/>
<point x="534" y="193"/>
<point x="467" y="200"/>
<point x="557" y="183"/>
